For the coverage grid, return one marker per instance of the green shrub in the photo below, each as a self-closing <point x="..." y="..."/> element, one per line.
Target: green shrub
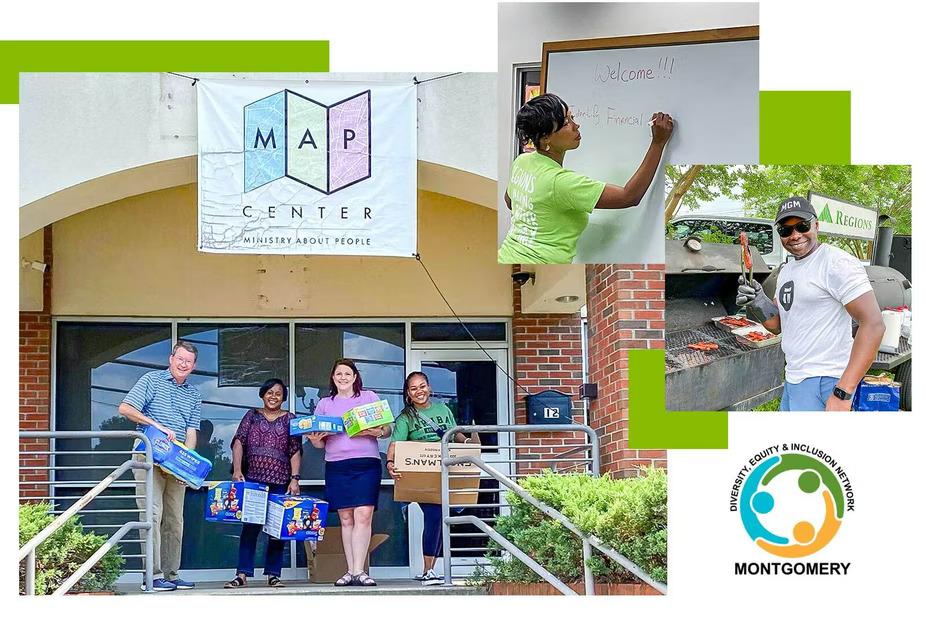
<point x="629" y="515"/>
<point x="63" y="552"/>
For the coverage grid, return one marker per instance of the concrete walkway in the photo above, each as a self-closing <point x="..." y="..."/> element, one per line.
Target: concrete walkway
<point x="258" y="586"/>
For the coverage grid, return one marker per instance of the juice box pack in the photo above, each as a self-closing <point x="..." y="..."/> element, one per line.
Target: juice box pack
<point x="309" y="424"/>
<point x="176" y="459"/>
<point x="236" y="501"/>
<point x="296" y="518"/>
<point x="366" y="416"/>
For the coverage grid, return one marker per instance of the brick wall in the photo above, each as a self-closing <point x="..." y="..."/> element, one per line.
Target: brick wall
<point x="626" y="310"/>
<point x="547" y="355"/>
<point x="35" y="384"/>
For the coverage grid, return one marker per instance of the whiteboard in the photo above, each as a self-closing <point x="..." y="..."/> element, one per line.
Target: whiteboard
<point x="710" y="89"/>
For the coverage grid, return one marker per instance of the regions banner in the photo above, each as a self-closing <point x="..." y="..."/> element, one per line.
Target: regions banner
<point x="315" y="168"/>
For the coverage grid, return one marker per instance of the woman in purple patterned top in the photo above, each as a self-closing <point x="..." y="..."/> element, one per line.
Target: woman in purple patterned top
<point x="264" y="452"/>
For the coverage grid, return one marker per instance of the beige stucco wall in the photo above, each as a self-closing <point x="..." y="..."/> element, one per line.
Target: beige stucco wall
<point x="32" y="249"/>
<point x="137" y="257"/>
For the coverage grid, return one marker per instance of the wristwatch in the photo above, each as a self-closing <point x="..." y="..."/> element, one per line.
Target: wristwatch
<point x="841" y="394"/>
<point x="295" y="477"/>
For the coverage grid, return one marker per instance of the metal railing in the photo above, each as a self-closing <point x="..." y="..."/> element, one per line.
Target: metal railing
<point x="488" y="468"/>
<point x="28" y="551"/>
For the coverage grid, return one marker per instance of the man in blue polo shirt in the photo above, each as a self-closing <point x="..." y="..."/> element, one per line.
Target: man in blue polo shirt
<point x="165" y="399"/>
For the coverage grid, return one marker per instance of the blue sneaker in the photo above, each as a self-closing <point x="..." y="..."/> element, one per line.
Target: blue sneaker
<point x="160" y="585"/>
<point x="180" y="584"/>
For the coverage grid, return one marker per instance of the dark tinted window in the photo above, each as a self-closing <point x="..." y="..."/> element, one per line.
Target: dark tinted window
<point x="760" y="234"/>
<point x="454" y="331"/>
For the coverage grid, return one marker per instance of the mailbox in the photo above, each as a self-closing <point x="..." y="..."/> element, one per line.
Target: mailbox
<point x="549" y="408"/>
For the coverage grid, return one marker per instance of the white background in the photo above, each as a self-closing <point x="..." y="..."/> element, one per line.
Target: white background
<point x="805" y="45"/>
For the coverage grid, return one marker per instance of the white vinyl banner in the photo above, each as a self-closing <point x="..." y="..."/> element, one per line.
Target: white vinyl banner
<point x="318" y="168"/>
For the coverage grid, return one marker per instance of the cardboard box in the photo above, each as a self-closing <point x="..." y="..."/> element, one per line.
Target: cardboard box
<point x="295" y="518"/>
<point x="420" y="465"/>
<point x="326" y="558"/>
<point x="308" y="424"/>
<point x="176" y="459"/>
<point x="241" y="502"/>
<point x="367" y="416"/>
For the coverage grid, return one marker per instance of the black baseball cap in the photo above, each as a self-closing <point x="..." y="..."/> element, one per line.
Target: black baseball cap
<point x="795" y="206"/>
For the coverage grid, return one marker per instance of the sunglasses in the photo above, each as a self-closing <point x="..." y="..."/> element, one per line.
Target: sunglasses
<point x="803" y="227"/>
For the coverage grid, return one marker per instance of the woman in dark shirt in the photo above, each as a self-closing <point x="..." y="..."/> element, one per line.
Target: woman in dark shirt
<point x="264" y="452"/>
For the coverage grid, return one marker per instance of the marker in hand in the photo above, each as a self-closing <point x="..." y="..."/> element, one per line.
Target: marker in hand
<point x="652" y="122"/>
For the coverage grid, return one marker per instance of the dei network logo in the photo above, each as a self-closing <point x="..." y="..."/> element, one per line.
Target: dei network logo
<point x="792" y="499"/>
<point x="325" y="147"/>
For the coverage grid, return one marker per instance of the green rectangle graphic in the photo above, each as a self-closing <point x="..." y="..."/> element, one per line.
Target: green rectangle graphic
<point x="155" y="56"/>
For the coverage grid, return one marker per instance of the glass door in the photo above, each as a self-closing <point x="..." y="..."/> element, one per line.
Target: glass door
<point x="474" y="386"/>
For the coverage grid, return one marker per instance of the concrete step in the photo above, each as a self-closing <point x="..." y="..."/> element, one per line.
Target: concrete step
<point x="258" y="586"/>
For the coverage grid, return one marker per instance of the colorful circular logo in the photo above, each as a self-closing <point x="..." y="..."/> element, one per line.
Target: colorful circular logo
<point x="792" y="505"/>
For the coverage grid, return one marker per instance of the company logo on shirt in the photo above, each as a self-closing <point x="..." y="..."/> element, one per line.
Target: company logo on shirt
<point x="786" y="295"/>
<point x="792" y="499"/>
<point x="326" y="147"/>
<point x="442" y="423"/>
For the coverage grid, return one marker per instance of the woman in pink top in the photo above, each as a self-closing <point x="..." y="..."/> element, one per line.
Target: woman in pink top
<point x="352" y="469"/>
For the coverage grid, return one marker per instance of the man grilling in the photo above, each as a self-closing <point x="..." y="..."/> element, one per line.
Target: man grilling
<point x="817" y="295"/>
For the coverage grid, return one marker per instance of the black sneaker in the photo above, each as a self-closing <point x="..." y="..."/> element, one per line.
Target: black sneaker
<point x="430" y="578"/>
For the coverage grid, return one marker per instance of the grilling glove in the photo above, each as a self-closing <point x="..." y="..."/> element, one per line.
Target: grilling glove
<point x="751" y="296"/>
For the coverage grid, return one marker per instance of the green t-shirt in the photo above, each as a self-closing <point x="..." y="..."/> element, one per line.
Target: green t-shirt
<point x="549" y="209"/>
<point x="417" y="430"/>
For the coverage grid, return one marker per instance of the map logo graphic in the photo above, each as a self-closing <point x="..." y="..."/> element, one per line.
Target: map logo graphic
<point x="325" y="147"/>
<point x="792" y="504"/>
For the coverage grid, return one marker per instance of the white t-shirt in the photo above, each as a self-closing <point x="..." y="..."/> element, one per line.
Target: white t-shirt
<point x="816" y="329"/>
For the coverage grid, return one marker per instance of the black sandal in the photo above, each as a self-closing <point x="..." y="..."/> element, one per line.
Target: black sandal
<point x="238" y="582"/>
<point x="345" y="580"/>
<point x="275" y="582"/>
<point x="362" y="579"/>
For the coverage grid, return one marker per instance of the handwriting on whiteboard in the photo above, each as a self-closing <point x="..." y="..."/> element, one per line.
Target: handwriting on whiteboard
<point x="605" y="115"/>
<point x="622" y="73"/>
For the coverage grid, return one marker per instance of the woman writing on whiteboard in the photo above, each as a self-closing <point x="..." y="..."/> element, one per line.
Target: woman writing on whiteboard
<point x="549" y="204"/>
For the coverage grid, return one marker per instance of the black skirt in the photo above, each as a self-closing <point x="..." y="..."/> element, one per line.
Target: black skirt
<point x="352" y="482"/>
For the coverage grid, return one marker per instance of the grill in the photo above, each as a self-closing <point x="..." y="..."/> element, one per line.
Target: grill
<point x="701" y="285"/>
<point x="682" y="357"/>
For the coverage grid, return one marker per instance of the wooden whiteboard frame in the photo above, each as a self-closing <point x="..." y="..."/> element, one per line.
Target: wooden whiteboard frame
<point x="717" y="35"/>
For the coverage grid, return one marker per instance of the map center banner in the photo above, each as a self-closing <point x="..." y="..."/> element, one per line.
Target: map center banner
<point x="317" y="168"/>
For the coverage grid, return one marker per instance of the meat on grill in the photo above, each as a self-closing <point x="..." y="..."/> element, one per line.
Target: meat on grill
<point x="744" y="243"/>
<point x="703" y="346"/>
<point x="758" y="336"/>
<point x="737" y="322"/>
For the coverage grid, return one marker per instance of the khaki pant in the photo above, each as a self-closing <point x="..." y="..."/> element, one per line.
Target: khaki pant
<point x="167" y="520"/>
